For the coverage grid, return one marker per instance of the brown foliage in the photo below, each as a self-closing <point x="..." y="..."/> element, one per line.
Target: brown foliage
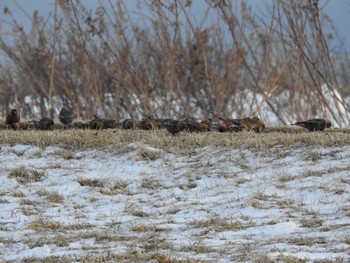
<point x="171" y="66"/>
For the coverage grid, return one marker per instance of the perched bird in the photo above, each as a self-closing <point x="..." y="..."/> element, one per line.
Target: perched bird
<point x="208" y="123"/>
<point x="148" y="123"/>
<point x="225" y="125"/>
<point x="245" y="124"/>
<point x="66" y="116"/>
<point x="314" y="124"/>
<point x="257" y="125"/>
<point x="129" y="124"/>
<point x="222" y="127"/>
<point x="106" y="124"/>
<point x="45" y="123"/>
<point x="174" y="126"/>
<point x="79" y="125"/>
<point x="244" y="127"/>
<point x="95" y="124"/>
<point x="17" y="126"/>
<point x="12" y="117"/>
<point x="195" y="126"/>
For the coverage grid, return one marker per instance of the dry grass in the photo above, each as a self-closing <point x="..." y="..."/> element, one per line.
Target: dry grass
<point x="118" y="141"/>
<point x="52" y="197"/>
<point x="220" y="224"/>
<point x="92" y="182"/>
<point x="25" y="176"/>
<point x="41" y="224"/>
<point x="184" y="143"/>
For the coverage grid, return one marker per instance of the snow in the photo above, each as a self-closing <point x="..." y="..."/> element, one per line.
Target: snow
<point x="204" y="206"/>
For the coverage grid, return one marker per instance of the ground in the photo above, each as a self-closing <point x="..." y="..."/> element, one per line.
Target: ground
<point x="152" y="197"/>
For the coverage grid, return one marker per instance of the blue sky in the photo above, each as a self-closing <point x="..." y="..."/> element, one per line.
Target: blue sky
<point x="338" y="10"/>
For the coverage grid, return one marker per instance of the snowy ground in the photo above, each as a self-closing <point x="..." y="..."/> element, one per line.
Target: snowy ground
<point x="216" y="205"/>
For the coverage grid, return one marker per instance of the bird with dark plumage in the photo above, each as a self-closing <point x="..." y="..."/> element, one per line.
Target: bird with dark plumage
<point x="79" y="125"/>
<point x="18" y="126"/>
<point x="257" y="124"/>
<point x="207" y="124"/>
<point x="225" y="125"/>
<point x="106" y="124"/>
<point x="12" y="117"/>
<point x="45" y="123"/>
<point x="95" y="124"/>
<point x="174" y="126"/>
<point x="66" y="116"/>
<point x="129" y="124"/>
<point x="245" y="124"/>
<point x="314" y="124"/>
<point x="195" y="126"/>
<point x="148" y="123"/>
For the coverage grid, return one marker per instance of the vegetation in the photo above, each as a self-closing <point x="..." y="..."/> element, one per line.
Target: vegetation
<point x="166" y="61"/>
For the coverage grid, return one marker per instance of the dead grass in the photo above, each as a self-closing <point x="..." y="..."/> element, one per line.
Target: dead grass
<point x="92" y="182"/>
<point x="184" y="143"/>
<point x="52" y="197"/>
<point x="41" y="224"/>
<point x="306" y="241"/>
<point x="25" y="176"/>
<point x="220" y="224"/>
<point x="311" y="223"/>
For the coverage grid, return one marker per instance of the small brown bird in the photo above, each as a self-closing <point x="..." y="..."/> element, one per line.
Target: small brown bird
<point x="45" y="123"/>
<point x="314" y="124"/>
<point x="129" y="124"/>
<point x="246" y="124"/>
<point x="79" y="125"/>
<point x="174" y="126"/>
<point x="208" y="123"/>
<point x="148" y="123"/>
<point x="195" y="126"/>
<point x="257" y="124"/>
<point x="225" y="125"/>
<point x="66" y="116"/>
<point x="106" y="124"/>
<point x="12" y="117"/>
<point x="244" y="127"/>
<point x="95" y="124"/>
<point x="18" y="126"/>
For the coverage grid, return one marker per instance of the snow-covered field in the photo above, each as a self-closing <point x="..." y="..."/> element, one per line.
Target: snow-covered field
<point x="216" y="204"/>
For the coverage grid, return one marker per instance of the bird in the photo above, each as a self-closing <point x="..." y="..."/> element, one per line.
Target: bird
<point x="45" y="123"/>
<point x="79" y="125"/>
<point x="195" y="126"/>
<point x="18" y="126"/>
<point x="129" y="124"/>
<point x="244" y="127"/>
<point x="314" y="124"/>
<point x="225" y="125"/>
<point x="257" y="124"/>
<point x="12" y="117"/>
<point x="106" y="123"/>
<point x="66" y="116"/>
<point x="148" y="123"/>
<point x="95" y="124"/>
<point x="208" y="123"/>
<point x="174" y="126"/>
<point x="245" y="124"/>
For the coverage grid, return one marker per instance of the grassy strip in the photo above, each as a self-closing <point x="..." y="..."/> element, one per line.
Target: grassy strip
<point x="161" y="139"/>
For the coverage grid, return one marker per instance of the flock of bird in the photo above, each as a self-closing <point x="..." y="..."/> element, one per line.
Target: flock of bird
<point x="66" y="117"/>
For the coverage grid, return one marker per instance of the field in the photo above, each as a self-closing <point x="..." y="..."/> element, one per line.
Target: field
<point x="146" y="196"/>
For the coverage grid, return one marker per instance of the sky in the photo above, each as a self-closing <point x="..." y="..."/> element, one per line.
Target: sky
<point x="338" y="10"/>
